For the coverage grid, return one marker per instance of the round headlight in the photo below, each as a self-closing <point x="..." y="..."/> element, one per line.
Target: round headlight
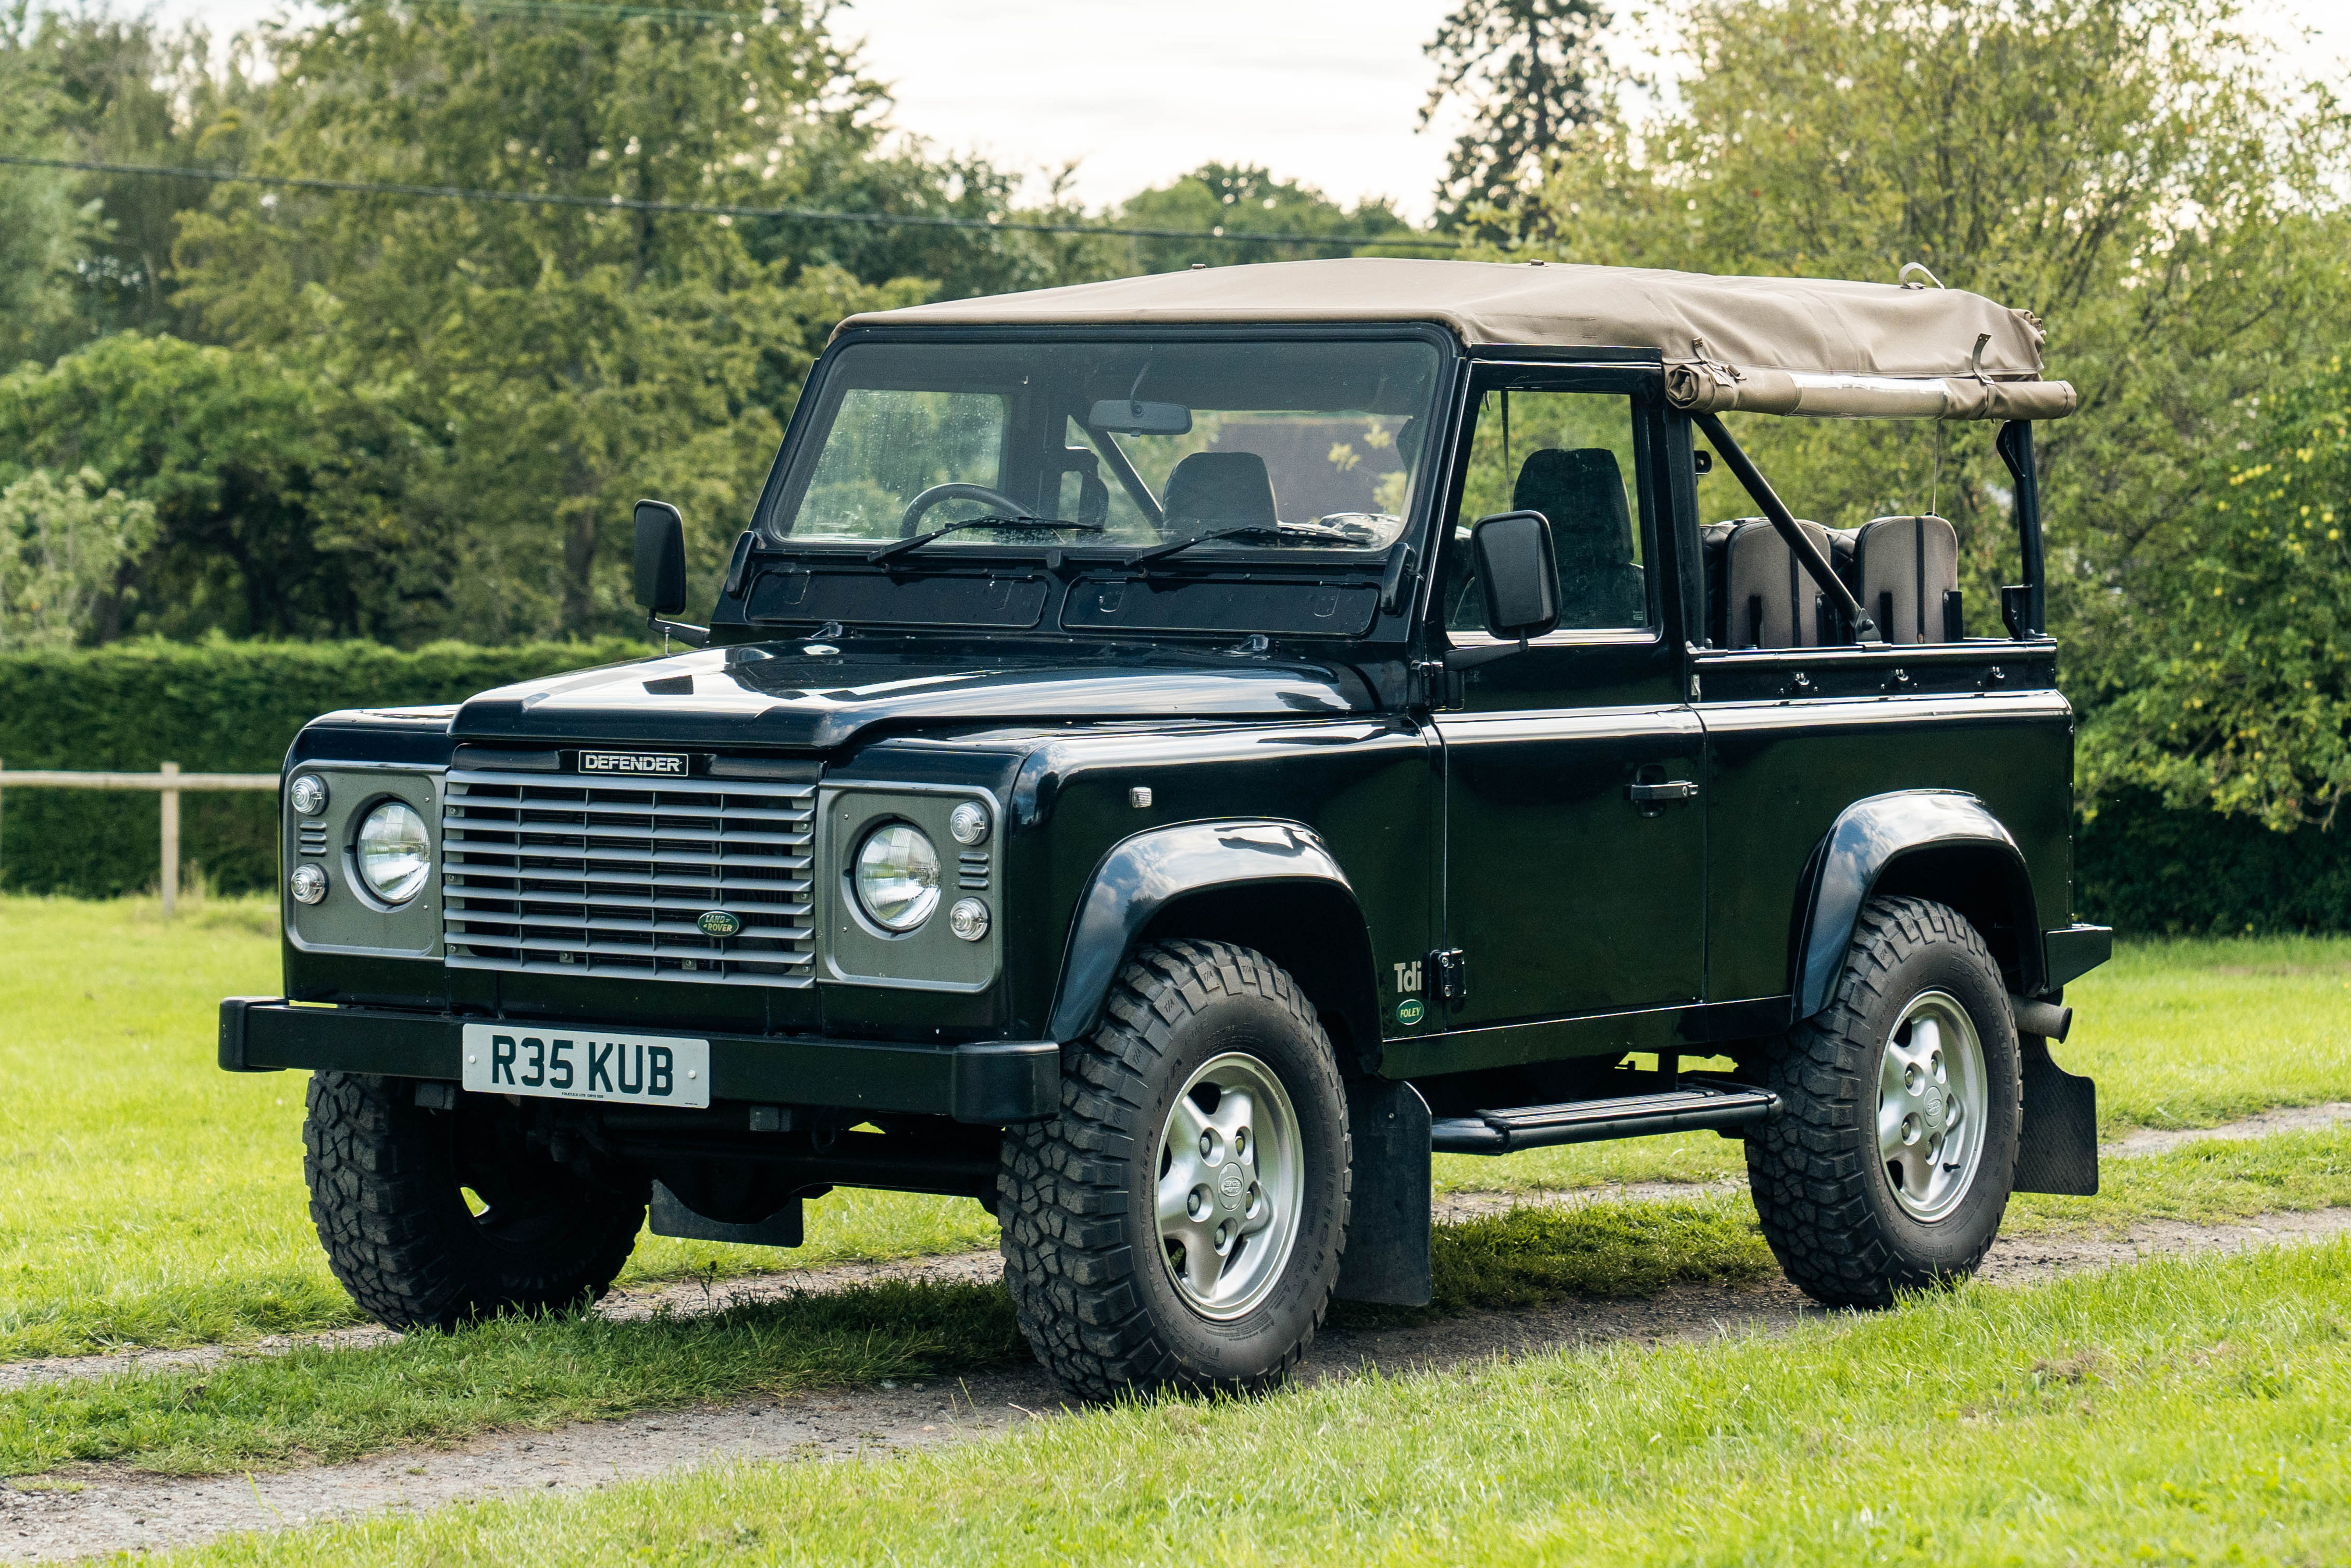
<point x="968" y="919"/>
<point x="968" y="823"/>
<point x="898" y="876"/>
<point x="393" y="855"/>
<point x="309" y="795"/>
<point x="308" y="885"/>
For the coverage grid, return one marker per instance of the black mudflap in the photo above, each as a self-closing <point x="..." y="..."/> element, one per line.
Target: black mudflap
<point x="2057" y="1147"/>
<point x="1388" y="1218"/>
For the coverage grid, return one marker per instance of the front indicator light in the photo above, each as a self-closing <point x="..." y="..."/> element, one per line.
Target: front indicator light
<point x="393" y="855"/>
<point x="898" y="876"/>
<point x="308" y="885"/>
<point x="968" y="919"/>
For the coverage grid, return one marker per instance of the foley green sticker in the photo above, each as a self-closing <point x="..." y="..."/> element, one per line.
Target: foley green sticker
<point x="1409" y="1010"/>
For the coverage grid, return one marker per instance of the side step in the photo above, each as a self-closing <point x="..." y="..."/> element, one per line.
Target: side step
<point x="1591" y="1121"/>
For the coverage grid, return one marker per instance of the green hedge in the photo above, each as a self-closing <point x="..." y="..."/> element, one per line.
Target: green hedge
<point x="211" y="707"/>
<point x="2148" y="871"/>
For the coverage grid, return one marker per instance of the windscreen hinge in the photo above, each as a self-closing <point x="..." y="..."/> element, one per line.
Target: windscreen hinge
<point x="1434" y="688"/>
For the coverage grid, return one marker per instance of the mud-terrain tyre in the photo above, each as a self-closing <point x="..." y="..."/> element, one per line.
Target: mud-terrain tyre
<point x="1866" y="1181"/>
<point x="1144" y="1226"/>
<point x="387" y="1193"/>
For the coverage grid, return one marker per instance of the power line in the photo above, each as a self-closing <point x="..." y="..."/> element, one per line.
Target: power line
<point x="709" y="209"/>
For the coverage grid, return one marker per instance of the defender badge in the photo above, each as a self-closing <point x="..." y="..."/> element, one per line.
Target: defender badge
<point x="718" y="923"/>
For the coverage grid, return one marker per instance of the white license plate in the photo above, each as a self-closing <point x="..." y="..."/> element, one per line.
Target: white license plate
<point x="587" y="1064"/>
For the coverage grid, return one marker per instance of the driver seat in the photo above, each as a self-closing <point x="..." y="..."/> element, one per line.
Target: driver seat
<point x="1219" y="490"/>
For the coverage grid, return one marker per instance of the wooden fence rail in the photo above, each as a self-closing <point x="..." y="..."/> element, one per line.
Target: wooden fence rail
<point x="168" y="781"/>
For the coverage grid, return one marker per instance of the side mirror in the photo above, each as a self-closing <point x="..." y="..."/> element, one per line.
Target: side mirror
<point x="661" y="558"/>
<point x="1519" y="573"/>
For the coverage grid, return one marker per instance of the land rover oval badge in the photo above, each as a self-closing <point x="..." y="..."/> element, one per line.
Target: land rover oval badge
<point x="718" y="923"/>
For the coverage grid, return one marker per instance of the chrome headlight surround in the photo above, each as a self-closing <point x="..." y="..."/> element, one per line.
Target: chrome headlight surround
<point x="392" y="851"/>
<point x="897" y="876"/>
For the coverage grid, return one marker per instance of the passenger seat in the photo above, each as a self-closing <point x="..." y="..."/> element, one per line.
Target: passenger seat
<point x="1906" y="575"/>
<point x="1219" y="490"/>
<point x="1766" y="598"/>
<point x="1581" y="493"/>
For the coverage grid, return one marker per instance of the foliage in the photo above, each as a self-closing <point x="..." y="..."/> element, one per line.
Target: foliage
<point x="61" y="549"/>
<point x="128" y="89"/>
<point x="1245" y="198"/>
<point x="278" y="494"/>
<point x="1527" y="71"/>
<point x="2243" y="702"/>
<point x="37" y="220"/>
<point x="216" y="707"/>
<point x="2129" y="169"/>
<point x="567" y="359"/>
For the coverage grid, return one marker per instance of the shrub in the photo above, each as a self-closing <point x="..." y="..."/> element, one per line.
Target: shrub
<point x="213" y="707"/>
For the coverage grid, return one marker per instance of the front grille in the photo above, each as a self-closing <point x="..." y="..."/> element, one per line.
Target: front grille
<point x="567" y="875"/>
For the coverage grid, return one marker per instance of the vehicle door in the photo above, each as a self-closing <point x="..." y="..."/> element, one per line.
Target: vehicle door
<point x="1573" y="842"/>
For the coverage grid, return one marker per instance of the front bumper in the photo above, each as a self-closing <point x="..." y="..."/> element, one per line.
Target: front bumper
<point x="988" y="1083"/>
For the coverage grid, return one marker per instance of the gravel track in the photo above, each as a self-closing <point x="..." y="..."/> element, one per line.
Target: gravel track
<point x="97" y="1510"/>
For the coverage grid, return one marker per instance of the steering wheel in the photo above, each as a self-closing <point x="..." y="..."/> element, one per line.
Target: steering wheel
<point x="954" y="490"/>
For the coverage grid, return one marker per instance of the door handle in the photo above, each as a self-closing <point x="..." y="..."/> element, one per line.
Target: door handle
<point x="1658" y="794"/>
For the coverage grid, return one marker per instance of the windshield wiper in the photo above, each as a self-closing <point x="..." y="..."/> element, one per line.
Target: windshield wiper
<point x="888" y="551"/>
<point x="1245" y="530"/>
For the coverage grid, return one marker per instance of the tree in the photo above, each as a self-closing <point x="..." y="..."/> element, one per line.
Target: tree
<point x="1245" y="198"/>
<point x="2129" y="169"/>
<point x="279" y="500"/>
<point x="61" y="544"/>
<point x="567" y="359"/>
<point x="2244" y="704"/>
<point x="36" y="214"/>
<point x="1526" y="72"/>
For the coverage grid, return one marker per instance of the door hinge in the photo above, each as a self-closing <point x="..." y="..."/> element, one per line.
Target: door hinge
<point x="1450" y="968"/>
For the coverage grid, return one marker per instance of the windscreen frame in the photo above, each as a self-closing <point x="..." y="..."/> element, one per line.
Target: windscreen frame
<point x="796" y="463"/>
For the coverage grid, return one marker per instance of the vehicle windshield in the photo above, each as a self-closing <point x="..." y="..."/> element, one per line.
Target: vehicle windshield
<point x="1303" y="443"/>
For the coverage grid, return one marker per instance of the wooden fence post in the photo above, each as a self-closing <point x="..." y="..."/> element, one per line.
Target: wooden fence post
<point x="171" y="841"/>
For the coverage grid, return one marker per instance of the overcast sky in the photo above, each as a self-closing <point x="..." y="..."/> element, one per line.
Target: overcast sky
<point x="1328" y="91"/>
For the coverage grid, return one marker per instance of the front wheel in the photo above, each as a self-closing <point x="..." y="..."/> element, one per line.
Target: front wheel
<point x="1179" y="1224"/>
<point x="1889" y="1165"/>
<point x="429" y="1218"/>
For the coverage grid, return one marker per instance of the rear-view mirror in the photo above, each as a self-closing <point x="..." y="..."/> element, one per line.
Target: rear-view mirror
<point x="660" y="557"/>
<point x="1129" y="416"/>
<point x="1518" y="572"/>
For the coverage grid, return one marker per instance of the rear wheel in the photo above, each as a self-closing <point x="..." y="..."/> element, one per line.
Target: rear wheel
<point x="429" y="1218"/>
<point x="1180" y="1223"/>
<point x="1888" y="1164"/>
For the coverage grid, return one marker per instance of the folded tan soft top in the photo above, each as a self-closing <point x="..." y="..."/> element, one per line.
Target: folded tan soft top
<point x="1770" y="345"/>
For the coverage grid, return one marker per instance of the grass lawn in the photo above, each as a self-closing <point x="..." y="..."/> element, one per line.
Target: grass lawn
<point x="2178" y="1034"/>
<point x="147" y="1198"/>
<point x="318" y="1404"/>
<point x="2174" y="1412"/>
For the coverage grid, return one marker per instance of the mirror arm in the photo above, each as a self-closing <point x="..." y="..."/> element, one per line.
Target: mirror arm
<point x="1783" y="521"/>
<point x="691" y="635"/>
<point x="1470" y="658"/>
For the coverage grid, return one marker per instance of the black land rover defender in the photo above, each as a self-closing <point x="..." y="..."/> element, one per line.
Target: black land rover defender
<point x="1167" y="755"/>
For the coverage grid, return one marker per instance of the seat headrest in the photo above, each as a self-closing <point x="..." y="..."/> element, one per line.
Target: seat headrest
<point x="1220" y="490"/>
<point x="1582" y="492"/>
